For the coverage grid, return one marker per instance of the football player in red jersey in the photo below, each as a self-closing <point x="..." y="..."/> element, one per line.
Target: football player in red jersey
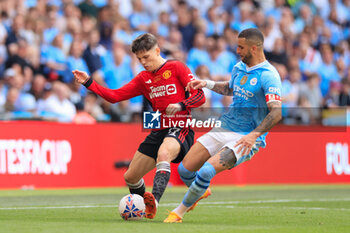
<point x="163" y="83"/>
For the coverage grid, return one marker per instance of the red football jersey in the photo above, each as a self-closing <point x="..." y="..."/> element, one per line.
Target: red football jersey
<point x="163" y="87"/>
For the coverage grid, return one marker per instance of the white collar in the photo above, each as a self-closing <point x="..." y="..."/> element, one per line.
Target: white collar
<point x="256" y="66"/>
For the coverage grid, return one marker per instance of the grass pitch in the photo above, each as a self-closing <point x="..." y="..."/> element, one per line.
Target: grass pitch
<point x="315" y="208"/>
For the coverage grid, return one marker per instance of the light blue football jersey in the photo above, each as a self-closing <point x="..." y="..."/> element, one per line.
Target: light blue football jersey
<point x="252" y="86"/>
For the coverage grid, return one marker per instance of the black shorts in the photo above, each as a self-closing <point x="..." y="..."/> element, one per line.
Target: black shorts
<point x="151" y="144"/>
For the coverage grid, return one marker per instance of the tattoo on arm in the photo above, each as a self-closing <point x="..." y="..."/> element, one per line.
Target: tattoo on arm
<point x="272" y="118"/>
<point x="223" y="88"/>
<point x="227" y="158"/>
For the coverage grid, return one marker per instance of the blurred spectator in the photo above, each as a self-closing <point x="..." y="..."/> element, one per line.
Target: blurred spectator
<point x="289" y="92"/>
<point x="328" y="70"/>
<point x="311" y="91"/>
<point x="92" y="106"/>
<point x="93" y="52"/>
<point x="55" y="59"/>
<point x="276" y="10"/>
<point x="244" y="21"/>
<point x="198" y="55"/>
<point x="82" y="117"/>
<point x="38" y="86"/>
<point x="278" y="53"/>
<point x="309" y="58"/>
<point x="106" y="32"/>
<point x="75" y="61"/>
<point x="344" y="96"/>
<point x="16" y="30"/>
<point x="52" y="30"/>
<point x="155" y="8"/>
<point x="332" y="98"/>
<point x="272" y="33"/>
<point x="88" y="8"/>
<point x="186" y="27"/>
<point x="303" y="18"/>
<point x="310" y="100"/>
<point x="215" y="25"/>
<point x="57" y="105"/>
<point x="139" y="19"/>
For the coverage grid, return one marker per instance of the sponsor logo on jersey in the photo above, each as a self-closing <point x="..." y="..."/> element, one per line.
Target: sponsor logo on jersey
<point x="171" y="89"/>
<point x="241" y="92"/>
<point x="275" y="90"/>
<point x="163" y="90"/>
<point x="167" y="74"/>
<point x="243" y="80"/>
<point x="253" y="81"/>
<point x="148" y="81"/>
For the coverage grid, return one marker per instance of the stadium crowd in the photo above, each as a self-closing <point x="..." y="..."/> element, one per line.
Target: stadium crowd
<point x="42" y="41"/>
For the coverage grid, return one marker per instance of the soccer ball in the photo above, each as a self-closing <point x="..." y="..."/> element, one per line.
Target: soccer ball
<point x="132" y="207"/>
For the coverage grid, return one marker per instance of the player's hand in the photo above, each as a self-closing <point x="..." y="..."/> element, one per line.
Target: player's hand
<point x="172" y="109"/>
<point x="80" y="76"/>
<point x="195" y="84"/>
<point x="246" y="143"/>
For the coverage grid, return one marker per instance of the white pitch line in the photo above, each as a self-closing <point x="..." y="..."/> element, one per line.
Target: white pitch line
<point x="279" y="207"/>
<point x="224" y="203"/>
<point x="58" y="207"/>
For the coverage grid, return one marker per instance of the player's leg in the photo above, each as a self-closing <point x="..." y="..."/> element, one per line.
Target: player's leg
<point x="168" y="151"/>
<point x="140" y="165"/>
<point x="223" y="160"/>
<point x="192" y="162"/>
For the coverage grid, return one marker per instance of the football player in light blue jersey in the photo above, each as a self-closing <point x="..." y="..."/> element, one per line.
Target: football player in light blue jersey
<point x="256" y="89"/>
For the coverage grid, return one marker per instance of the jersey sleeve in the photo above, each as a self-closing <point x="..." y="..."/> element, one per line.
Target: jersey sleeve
<point x="271" y="84"/>
<point x="197" y="97"/>
<point x="127" y="91"/>
<point x="233" y="76"/>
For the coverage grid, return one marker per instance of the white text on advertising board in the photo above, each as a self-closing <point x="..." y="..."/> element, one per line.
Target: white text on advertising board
<point x="27" y="156"/>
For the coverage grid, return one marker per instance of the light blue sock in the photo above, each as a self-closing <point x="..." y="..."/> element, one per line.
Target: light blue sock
<point x="201" y="183"/>
<point x="186" y="176"/>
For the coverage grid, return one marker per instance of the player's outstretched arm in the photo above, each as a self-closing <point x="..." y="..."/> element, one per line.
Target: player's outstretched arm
<point x="222" y="88"/>
<point x="125" y="92"/>
<point x="195" y="84"/>
<point x="80" y="76"/>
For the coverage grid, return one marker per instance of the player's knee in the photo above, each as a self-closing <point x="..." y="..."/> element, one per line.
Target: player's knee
<point x="207" y="172"/>
<point x="129" y="179"/>
<point x="163" y="155"/>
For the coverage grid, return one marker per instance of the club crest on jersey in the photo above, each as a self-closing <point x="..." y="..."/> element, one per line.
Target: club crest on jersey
<point x="253" y="81"/>
<point x="243" y="80"/>
<point x="167" y="74"/>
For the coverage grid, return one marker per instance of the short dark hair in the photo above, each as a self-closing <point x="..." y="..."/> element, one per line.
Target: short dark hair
<point x="252" y="35"/>
<point x="144" y="42"/>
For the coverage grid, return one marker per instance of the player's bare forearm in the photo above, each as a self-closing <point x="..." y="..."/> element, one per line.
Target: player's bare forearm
<point x="222" y="88"/>
<point x="272" y="118"/>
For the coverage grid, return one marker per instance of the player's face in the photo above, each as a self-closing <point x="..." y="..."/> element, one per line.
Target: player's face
<point x="149" y="59"/>
<point x="244" y="51"/>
